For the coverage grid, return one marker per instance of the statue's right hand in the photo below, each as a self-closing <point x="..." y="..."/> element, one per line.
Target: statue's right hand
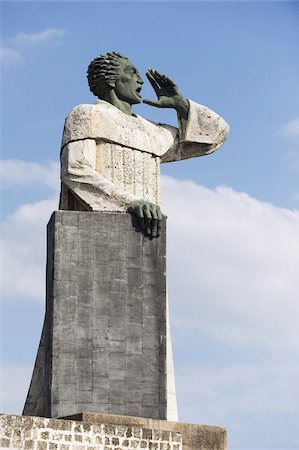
<point x="167" y="92"/>
<point x="149" y="217"/>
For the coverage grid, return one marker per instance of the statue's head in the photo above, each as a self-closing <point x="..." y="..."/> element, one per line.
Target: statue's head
<point x="114" y="72"/>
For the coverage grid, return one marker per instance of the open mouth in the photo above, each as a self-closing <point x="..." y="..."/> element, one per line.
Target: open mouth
<point x="138" y="90"/>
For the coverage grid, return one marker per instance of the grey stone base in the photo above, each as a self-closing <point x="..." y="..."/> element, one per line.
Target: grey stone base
<point x="103" y="346"/>
<point x="194" y="437"/>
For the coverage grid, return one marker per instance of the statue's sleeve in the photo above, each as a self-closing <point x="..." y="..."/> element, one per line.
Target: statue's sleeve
<point x="203" y="132"/>
<point x="78" y="163"/>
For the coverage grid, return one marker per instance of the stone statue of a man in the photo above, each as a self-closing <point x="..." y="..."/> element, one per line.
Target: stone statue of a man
<point x="110" y="158"/>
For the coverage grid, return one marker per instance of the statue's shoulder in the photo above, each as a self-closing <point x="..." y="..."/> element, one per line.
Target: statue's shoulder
<point x="87" y="110"/>
<point x="83" y="119"/>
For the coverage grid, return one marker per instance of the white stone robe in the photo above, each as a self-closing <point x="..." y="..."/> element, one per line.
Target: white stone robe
<point x="110" y="159"/>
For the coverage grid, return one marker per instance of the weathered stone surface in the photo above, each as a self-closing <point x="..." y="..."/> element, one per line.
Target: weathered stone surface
<point x="194" y="437"/>
<point x="110" y="159"/>
<point x="48" y="434"/>
<point x="104" y="338"/>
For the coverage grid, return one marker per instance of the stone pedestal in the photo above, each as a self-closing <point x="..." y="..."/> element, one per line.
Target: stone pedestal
<point x="103" y="346"/>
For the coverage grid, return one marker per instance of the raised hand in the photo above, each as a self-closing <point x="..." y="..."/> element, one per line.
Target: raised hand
<point x="149" y="217"/>
<point x="167" y="92"/>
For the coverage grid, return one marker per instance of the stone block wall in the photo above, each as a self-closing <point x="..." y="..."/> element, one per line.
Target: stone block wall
<point x="37" y="433"/>
<point x="194" y="436"/>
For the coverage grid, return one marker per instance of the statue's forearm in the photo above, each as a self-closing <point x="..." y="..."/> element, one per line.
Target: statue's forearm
<point x="202" y="133"/>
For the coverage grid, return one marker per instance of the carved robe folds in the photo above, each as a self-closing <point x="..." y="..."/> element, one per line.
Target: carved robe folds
<point x="110" y="159"/>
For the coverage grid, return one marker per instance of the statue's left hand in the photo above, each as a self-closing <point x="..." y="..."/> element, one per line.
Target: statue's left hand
<point x="167" y="92"/>
<point x="149" y="217"/>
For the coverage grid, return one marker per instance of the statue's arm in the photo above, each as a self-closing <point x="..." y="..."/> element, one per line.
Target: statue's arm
<point x="201" y="133"/>
<point x="78" y="173"/>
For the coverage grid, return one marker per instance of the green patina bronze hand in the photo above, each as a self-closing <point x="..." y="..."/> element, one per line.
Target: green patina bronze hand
<point x="167" y="92"/>
<point x="149" y="217"/>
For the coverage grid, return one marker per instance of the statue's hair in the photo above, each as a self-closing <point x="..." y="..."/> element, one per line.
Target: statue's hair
<point x="102" y="72"/>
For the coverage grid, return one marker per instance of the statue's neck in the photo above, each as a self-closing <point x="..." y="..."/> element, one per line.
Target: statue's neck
<point x="119" y="104"/>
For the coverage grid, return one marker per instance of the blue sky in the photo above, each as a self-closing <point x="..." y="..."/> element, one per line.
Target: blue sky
<point x="232" y="255"/>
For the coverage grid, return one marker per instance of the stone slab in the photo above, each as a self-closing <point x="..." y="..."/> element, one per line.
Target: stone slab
<point x="194" y="437"/>
<point x="104" y="337"/>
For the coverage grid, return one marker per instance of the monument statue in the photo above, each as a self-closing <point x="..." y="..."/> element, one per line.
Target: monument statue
<point x="110" y="158"/>
<point x="105" y="345"/>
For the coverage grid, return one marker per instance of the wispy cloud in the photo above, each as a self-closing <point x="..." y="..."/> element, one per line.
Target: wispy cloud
<point x="291" y="158"/>
<point x="14" y="383"/>
<point x="11" y="53"/>
<point x="23" y="244"/>
<point x="32" y="39"/>
<point x="23" y="230"/>
<point x="9" y="56"/>
<point x="290" y="132"/>
<point x="16" y="172"/>
<point x="291" y="128"/>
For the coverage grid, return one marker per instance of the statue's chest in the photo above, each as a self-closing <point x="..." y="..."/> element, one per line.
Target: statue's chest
<point x="135" y="171"/>
<point x="128" y="131"/>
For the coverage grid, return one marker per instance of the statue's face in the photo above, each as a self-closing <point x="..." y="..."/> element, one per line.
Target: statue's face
<point x="128" y="83"/>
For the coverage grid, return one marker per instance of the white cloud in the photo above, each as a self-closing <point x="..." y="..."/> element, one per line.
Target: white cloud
<point x="290" y="131"/>
<point x="250" y="399"/>
<point x="232" y="260"/>
<point x="291" y="128"/>
<point x="14" y="385"/>
<point x="14" y="172"/>
<point x="233" y="284"/>
<point x="271" y="389"/>
<point x="232" y="273"/>
<point x="232" y="263"/>
<point x="9" y="56"/>
<point x="24" y="246"/>
<point x="32" y="39"/>
<point x="24" y="231"/>
<point x="291" y="158"/>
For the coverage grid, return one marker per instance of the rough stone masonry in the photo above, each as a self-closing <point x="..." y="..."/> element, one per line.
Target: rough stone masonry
<point x="36" y="433"/>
